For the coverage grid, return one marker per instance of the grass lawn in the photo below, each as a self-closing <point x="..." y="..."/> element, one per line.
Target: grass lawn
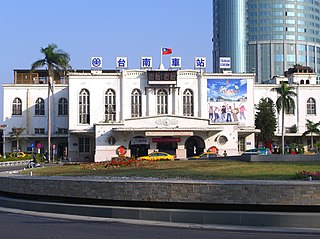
<point x="205" y="170"/>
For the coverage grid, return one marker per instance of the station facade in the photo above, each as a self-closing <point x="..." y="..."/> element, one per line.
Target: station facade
<point x="96" y="112"/>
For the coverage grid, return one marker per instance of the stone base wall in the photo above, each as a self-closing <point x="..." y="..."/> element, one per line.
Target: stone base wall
<point x="210" y="192"/>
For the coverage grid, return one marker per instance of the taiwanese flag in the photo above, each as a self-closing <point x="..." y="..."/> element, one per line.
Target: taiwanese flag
<point x="166" y="51"/>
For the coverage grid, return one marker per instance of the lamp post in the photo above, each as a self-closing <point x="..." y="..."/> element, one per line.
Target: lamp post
<point x="4" y="126"/>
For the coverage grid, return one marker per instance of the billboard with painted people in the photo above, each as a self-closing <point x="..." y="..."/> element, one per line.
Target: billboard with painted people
<point x="227" y="100"/>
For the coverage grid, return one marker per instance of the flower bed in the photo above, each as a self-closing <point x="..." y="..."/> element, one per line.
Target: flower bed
<point x="308" y="175"/>
<point x="116" y="162"/>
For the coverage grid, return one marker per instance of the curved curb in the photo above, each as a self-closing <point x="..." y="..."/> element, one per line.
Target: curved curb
<point x="200" y="217"/>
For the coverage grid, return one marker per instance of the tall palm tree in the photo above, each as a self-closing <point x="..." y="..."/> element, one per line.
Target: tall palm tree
<point x="57" y="62"/>
<point x="312" y="128"/>
<point x="284" y="103"/>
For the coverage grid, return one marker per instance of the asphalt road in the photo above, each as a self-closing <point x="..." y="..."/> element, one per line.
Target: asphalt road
<point x="17" y="225"/>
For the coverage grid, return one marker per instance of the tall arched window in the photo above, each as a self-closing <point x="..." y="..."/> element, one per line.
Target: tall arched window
<point x="136" y="108"/>
<point x="110" y="105"/>
<point x="84" y="107"/>
<point x="311" y="106"/>
<point x="17" y="106"/>
<point x="162" y="102"/>
<point x="188" y="103"/>
<point x="63" y="106"/>
<point x="39" y="107"/>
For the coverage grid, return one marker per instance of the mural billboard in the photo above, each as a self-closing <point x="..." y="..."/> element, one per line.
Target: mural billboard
<point x="227" y="100"/>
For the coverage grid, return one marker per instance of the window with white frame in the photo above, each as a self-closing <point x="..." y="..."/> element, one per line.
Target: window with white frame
<point x="162" y="102"/>
<point x="311" y="106"/>
<point x="84" y="107"/>
<point x="63" y="106"/>
<point x="188" y="102"/>
<point x="39" y="107"/>
<point x="136" y="107"/>
<point x="110" y="106"/>
<point x="17" y="106"/>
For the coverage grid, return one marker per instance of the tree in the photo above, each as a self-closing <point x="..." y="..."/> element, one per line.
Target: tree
<point x="57" y="62"/>
<point x="284" y="103"/>
<point x="266" y="110"/>
<point x="312" y="128"/>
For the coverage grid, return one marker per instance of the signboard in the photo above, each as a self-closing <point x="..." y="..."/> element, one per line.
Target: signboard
<point x="162" y="77"/>
<point x="96" y="62"/>
<point x="161" y="140"/>
<point x="227" y="100"/>
<point x="175" y="62"/>
<point x="138" y="141"/>
<point x="122" y="62"/>
<point x="225" y="63"/>
<point x="200" y="62"/>
<point x="146" y="62"/>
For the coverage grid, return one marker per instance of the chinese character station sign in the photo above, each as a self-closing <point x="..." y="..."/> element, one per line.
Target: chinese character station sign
<point x="147" y="63"/>
<point x="200" y="63"/>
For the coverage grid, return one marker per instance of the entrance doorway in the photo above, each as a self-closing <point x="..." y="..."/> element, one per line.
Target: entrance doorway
<point x="167" y="144"/>
<point x="194" y="146"/>
<point x="139" y="146"/>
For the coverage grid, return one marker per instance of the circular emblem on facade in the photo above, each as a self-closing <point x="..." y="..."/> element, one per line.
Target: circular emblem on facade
<point x="96" y="62"/>
<point x="167" y="122"/>
<point x="121" y="150"/>
<point x="111" y="140"/>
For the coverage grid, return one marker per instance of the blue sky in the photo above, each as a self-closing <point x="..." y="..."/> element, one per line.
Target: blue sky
<point x="107" y="28"/>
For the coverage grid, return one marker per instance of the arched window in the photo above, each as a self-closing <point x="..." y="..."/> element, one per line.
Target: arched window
<point x="307" y="82"/>
<point x="188" y="103"/>
<point x="39" y="107"/>
<point x="63" y="106"/>
<point x="311" y="106"/>
<point x="110" y="105"/>
<point x="17" y="107"/>
<point x="84" y="107"/>
<point x="301" y="82"/>
<point x="136" y="103"/>
<point x="162" y="102"/>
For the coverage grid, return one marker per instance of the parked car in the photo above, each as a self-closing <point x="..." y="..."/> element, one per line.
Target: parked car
<point x="258" y="151"/>
<point x="206" y="155"/>
<point x="158" y="156"/>
<point x="17" y="154"/>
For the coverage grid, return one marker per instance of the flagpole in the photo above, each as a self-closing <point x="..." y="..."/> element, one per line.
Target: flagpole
<point x="160" y="55"/>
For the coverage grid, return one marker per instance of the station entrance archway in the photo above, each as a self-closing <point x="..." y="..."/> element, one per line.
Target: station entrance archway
<point x="194" y="146"/>
<point x="139" y="146"/>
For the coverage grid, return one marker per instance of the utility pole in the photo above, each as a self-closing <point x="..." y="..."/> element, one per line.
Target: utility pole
<point x="4" y="126"/>
<point x="49" y="119"/>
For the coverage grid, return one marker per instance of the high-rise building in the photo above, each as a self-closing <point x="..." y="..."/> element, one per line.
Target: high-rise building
<point x="229" y="33"/>
<point x="279" y="35"/>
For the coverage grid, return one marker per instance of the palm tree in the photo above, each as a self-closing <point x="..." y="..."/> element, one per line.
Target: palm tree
<point x="284" y="103"/>
<point x="57" y="62"/>
<point x="312" y="128"/>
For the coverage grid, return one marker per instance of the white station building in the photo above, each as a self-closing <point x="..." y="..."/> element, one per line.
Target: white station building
<point x="95" y="113"/>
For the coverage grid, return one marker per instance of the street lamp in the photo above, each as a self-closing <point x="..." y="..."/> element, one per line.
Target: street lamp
<point x="4" y="126"/>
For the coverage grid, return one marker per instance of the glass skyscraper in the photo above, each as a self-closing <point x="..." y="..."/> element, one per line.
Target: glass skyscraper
<point x="279" y="34"/>
<point x="229" y="33"/>
<point x="282" y="33"/>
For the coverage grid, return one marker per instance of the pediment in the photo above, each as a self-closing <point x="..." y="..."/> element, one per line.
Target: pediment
<point x="166" y="121"/>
